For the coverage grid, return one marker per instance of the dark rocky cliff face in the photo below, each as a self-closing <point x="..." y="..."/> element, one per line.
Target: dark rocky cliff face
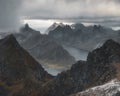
<point x="102" y="62"/>
<point x="19" y="72"/>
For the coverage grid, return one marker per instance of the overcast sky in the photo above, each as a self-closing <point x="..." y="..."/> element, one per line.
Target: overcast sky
<point x="71" y="8"/>
<point x="91" y="11"/>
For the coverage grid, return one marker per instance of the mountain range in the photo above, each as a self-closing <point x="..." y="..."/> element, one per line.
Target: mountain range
<point x="82" y="37"/>
<point x="44" y="48"/>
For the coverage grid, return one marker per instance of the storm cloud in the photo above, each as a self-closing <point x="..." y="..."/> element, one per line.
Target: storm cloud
<point x="71" y="8"/>
<point x="9" y="14"/>
<point x="91" y="11"/>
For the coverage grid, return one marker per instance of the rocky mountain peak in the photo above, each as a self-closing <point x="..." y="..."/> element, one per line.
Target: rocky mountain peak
<point x="109" y="50"/>
<point x="77" y="26"/>
<point x="18" y="67"/>
<point x="26" y="28"/>
<point x="111" y="43"/>
<point x="9" y="38"/>
<point x="62" y="29"/>
<point x="54" y="26"/>
<point x="8" y="41"/>
<point x="14" y="58"/>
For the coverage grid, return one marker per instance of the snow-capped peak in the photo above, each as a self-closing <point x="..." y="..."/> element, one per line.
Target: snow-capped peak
<point x="53" y="26"/>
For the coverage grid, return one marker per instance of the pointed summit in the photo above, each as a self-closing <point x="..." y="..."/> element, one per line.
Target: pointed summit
<point x="18" y="67"/>
<point x="26" y="25"/>
<point x="109" y="52"/>
<point x="111" y="43"/>
<point x="77" y="26"/>
<point x="9" y="41"/>
<point x="16" y="59"/>
<point x="26" y="28"/>
<point x="54" y="26"/>
<point x="9" y="38"/>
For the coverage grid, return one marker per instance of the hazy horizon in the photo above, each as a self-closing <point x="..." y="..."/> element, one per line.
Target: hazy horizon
<point x="42" y="24"/>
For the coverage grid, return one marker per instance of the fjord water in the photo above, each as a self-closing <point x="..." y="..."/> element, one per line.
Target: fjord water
<point x="78" y="54"/>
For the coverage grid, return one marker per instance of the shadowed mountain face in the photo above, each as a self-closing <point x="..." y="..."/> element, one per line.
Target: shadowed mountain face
<point x="82" y="37"/>
<point x="44" y="48"/>
<point x="102" y="65"/>
<point x="19" y="72"/>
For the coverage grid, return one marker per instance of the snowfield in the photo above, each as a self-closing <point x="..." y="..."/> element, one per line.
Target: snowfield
<point x="111" y="88"/>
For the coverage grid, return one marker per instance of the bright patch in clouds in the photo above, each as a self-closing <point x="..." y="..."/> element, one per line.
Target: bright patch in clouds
<point x="41" y="24"/>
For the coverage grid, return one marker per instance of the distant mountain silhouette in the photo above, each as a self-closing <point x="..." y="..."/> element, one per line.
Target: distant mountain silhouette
<point x="83" y="37"/>
<point x="53" y="26"/>
<point x="44" y="48"/>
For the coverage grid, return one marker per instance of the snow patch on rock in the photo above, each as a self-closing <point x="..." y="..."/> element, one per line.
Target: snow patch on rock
<point x="111" y="88"/>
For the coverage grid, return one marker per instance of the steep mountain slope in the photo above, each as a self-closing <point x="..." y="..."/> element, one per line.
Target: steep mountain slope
<point x="20" y="74"/>
<point x="82" y="37"/>
<point x="44" y="48"/>
<point x="102" y="65"/>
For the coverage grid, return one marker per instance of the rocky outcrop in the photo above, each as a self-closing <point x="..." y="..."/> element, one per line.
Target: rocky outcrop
<point x="111" y="88"/>
<point x="53" y="26"/>
<point x="20" y="74"/>
<point x="102" y="62"/>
